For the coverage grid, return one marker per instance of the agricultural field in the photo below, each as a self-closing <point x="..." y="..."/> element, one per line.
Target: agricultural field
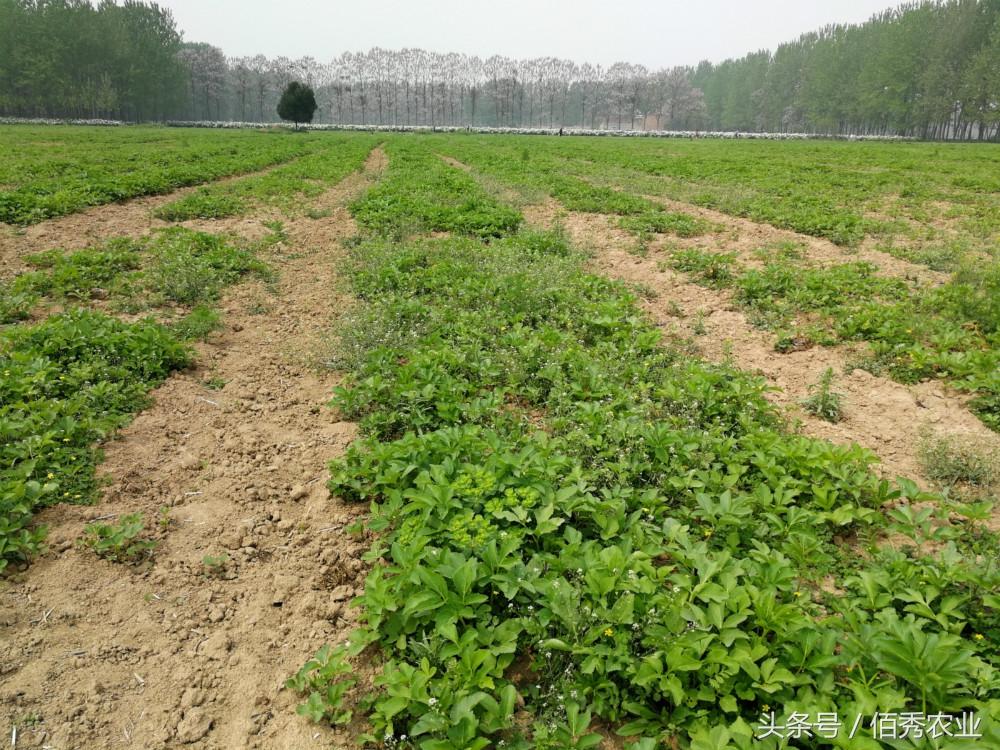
<point x="57" y="170"/>
<point x="462" y="441"/>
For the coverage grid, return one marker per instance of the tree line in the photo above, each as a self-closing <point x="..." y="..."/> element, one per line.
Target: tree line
<point x="929" y="69"/>
<point x="69" y="58"/>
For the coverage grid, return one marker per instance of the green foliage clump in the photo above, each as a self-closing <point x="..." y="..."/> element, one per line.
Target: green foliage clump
<point x="170" y="266"/>
<point x="82" y="274"/>
<point x="66" y="384"/>
<point x="197" y="324"/>
<point x="665" y="222"/>
<point x="120" y="542"/>
<point x="201" y="204"/>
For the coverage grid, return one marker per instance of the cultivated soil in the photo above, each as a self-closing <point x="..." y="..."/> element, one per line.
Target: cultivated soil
<point x="178" y="653"/>
<point x="881" y="415"/>
<point x="95" y="654"/>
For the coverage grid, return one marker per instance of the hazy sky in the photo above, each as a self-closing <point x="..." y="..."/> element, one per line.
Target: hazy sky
<point x="657" y="33"/>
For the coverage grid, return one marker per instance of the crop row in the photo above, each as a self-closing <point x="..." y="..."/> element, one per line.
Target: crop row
<point x="71" y="379"/>
<point x="579" y="528"/>
<point x="951" y="331"/>
<point x="841" y="192"/>
<point x="54" y="171"/>
<point x="331" y="160"/>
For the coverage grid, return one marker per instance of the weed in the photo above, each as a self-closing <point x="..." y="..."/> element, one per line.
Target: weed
<point x="953" y="460"/>
<point x="823" y="402"/>
<point x="698" y="326"/>
<point x="277" y="229"/>
<point x="215" y="566"/>
<point x="197" y="324"/>
<point x="711" y="269"/>
<point x="164" y="519"/>
<point x="193" y="267"/>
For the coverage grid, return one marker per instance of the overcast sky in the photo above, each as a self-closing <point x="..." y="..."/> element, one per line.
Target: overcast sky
<point x="657" y="33"/>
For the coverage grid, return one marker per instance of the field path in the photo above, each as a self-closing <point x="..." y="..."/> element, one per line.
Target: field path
<point x="880" y="414"/>
<point x="101" y="655"/>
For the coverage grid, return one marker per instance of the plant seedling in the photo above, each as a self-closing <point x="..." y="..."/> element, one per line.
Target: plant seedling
<point x="119" y="542"/>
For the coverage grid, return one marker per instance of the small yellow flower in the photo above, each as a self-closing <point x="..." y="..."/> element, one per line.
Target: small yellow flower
<point x="978" y="636"/>
<point x="708" y="532"/>
<point x="766" y="706"/>
<point x="609" y="632"/>
<point x="51" y="475"/>
<point x="65" y="440"/>
<point x="798" y="593"/>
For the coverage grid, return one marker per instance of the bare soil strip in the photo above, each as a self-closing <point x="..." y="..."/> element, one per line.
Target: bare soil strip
<point x="96" y="654"/>
<point x="880" y="414"/>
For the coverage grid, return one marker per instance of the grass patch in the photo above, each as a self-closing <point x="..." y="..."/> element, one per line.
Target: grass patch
<point x="951" y="460"/>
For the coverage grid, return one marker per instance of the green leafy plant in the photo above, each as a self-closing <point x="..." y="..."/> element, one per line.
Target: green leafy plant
<point x="120" y="542"/>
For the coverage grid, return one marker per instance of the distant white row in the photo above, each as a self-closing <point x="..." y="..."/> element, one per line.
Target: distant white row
<point x="539" y="131"/>
<point x="49" y="121"/>
<point x="449" y="129"/>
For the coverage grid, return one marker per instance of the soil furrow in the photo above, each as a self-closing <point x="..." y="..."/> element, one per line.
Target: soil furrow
<point x="189" y="653"/>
